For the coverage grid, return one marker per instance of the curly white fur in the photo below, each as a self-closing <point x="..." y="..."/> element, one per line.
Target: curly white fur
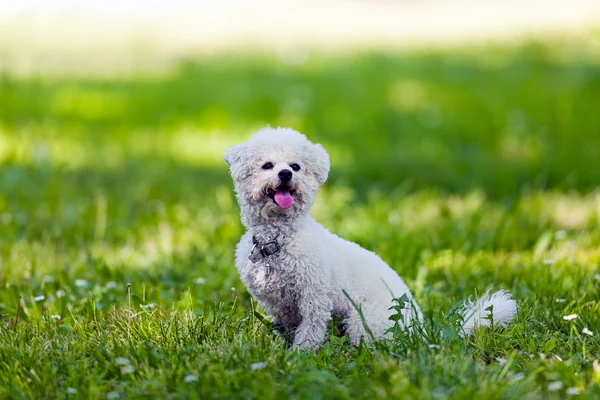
<point x="308" y="276"/>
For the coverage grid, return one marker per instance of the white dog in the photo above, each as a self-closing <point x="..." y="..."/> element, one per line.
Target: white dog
<point x="296" y="269"/>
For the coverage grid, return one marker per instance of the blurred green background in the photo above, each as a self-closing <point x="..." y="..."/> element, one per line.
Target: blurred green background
<point x="126" y="173"/>
<point x="116" y="162"/>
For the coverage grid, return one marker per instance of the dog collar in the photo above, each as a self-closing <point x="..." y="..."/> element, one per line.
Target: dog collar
<point x="260" y="251"/>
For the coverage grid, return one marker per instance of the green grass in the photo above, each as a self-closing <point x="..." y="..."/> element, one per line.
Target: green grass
<point x="465" y="170"/>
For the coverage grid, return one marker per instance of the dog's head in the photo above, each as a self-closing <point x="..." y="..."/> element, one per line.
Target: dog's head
<point x="277" y="174"/>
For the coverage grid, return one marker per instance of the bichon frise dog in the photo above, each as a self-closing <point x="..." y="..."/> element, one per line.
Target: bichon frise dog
<point x="301" y="273"/>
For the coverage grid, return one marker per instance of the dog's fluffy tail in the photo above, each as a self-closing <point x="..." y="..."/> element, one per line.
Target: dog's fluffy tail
<point x="477" y="313"/>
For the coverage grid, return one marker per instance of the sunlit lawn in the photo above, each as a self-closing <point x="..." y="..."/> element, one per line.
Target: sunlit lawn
<point x="465" y="170"/>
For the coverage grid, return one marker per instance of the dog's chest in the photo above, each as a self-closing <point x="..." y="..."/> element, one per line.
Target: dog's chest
<point x="271" y="279"/>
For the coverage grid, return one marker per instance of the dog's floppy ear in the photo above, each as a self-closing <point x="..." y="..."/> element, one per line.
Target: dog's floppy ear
<point x="234" y="154"/>
<point x="321" y="165"/>
<point x="237" y="158"/>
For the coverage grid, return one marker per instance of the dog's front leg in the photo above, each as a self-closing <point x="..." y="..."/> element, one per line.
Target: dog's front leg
<point x="315" y="313"/>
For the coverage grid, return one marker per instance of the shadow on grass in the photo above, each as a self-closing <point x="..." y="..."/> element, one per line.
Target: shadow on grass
<point x="501" y="119"/>
<point x="496" y="120"/>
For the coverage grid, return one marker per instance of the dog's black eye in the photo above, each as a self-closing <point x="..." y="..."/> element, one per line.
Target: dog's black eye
<point x="268" y="165"/>
<point x="295" y="167"/>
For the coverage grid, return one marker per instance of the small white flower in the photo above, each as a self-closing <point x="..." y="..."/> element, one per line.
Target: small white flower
<point x="556" y="385"/>
<point x="542" y="356"/>
<point x="190" y="378"/>
<point x="572" y="391"/>
<point x="112" y="395"/>
<point x="258" y="365"/>
<point x="60" y="293"/>
<point x="434" y="346"/>
<point x="81" y="283"/>
<point x="548" y="261"/>
<point x="519" y="376"/>
<point x="39" y="298"/>
<point x="570" y="317"/>
<point x="597" y="277"/>
<point x="149" y="305"/>
<point x="122" y="361"/>
<point x="71" y="390"/>
<point x="560" y="300"/>
<point x="560" y="235"/>
<point x="111" y="285"/>
<point x="501" y="360"/>
<point x="127" y="369"/>
<point x="199" y="281"/>
<point x="587" y="331"/>
<point x="56" y="317"/>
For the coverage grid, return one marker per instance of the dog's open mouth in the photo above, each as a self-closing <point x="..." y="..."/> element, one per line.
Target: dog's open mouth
<point x="283" y="196"/>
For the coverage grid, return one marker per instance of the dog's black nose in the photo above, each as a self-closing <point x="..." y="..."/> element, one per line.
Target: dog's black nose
<point x="285" y="175"/>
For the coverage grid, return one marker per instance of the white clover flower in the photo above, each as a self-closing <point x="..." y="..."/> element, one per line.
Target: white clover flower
<point x="71" y="390"/>
<point x="190" y="378"/>
<point x="572" y="391"/>
<point x="519" y="376"/>
<point x="199" y="281"/>
<point x="556" y="385"/>
<point x="81" y="283"/>
<point x="122" y="361"/>
<point x="39" y="298"/>
<point x="258" y="365"/>
<point x="60" y="293"/>
<point x="56" y="317"/>
<point x="127" y="369"/>
<point x="587" y="331"/>
<point x="111" y="285"/>
<point x="570" y="317"/>
<point x="560" y="235"/>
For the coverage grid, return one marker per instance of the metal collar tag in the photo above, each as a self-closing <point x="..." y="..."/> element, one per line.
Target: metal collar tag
<point x="260" y="251"/>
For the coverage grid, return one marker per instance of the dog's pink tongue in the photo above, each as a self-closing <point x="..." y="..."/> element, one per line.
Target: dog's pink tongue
<point x="284" y="199"/>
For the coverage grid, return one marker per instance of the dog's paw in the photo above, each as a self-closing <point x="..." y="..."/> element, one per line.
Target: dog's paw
<point x="305" y="343"/>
